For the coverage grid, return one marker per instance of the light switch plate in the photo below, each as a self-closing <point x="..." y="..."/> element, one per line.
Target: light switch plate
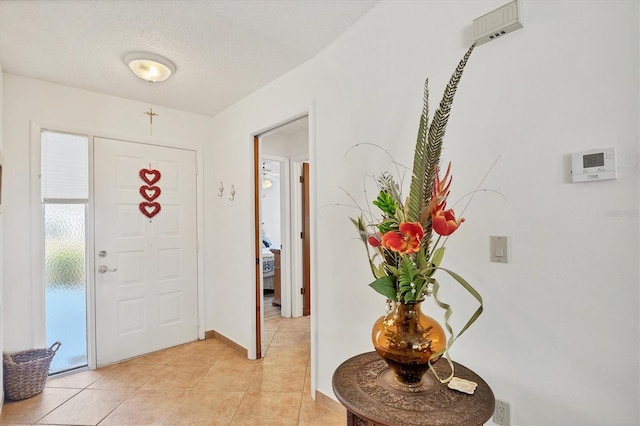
<point x="499" y="249"/>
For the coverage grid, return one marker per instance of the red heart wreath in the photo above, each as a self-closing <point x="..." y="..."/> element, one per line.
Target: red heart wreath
<point x="149" y="209"/>
<point x="150" y="176"/>
<point x="150" y="193"/>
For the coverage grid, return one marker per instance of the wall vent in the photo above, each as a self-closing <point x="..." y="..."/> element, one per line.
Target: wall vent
<point x="497" y="23"/>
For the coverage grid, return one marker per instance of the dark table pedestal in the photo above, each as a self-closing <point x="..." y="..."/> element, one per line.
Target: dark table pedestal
<point x="367" y="387"/>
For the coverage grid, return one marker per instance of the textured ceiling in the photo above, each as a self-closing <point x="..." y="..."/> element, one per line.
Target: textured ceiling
<point x="223" y="49"/>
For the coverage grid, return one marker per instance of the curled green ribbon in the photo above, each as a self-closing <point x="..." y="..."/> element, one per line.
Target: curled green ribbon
<point x="447" y="315"/>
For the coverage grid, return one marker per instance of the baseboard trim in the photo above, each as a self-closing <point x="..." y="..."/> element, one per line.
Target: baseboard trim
<point x="212" y="334"/>
<point x="330" y="403"/>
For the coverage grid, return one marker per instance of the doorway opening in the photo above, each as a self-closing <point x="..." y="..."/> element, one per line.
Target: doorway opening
<point x="282" y="242"/>
<point x="274" y="219"/>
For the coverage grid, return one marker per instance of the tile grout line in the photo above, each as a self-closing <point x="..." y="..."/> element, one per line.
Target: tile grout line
<point x="57" y="406"/>
<point x="190" y="391"/>
<point x="130" y="396"/>
<point x="246" y="391"/>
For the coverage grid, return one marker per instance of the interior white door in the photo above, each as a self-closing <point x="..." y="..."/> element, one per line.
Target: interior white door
<point x="146" y="267"/>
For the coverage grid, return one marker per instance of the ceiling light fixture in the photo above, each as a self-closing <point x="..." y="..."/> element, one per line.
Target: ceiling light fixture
<point x="149" y="66"/>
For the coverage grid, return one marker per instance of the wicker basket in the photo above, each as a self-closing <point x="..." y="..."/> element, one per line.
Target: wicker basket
<point x="25" y="373"/>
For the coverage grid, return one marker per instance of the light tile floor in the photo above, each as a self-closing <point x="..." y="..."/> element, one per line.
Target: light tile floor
<point x="199" y="383"/>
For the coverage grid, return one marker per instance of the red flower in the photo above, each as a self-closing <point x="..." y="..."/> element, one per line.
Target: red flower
<point x="440" y="190"/>
<point x="374" y="240"/>
<point x="444" y="222"/>
<point x="406" y="240"/>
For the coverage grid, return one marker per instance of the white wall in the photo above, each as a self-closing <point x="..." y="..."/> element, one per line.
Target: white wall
<point x="270" y="206"/>
<point x="66" y="109"/>
<point x="559" y="336"/>
<point x="293" y="145"/>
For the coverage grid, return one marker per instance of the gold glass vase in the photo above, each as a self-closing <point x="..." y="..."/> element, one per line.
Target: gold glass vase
<point x="406" y="338"/>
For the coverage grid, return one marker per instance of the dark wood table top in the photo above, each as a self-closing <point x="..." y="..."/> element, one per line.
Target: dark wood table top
<point x="366" y="386"/>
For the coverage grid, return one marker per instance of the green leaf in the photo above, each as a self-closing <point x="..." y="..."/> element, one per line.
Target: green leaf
<point x="386" y="203"/>
<point x="449" y="311"/>
<point x="421" y="260"/>
<point x="473" y="292"/>
<point x="438" y="254"/>
<point x="392" y="270"/>
<point x="408" y="275"/>
<point x="359" y="223"/>
<point x="388" y="184"/>
<point x="378" y="271"/>
<point x="385" y="286"/>
<point x="387" y="225"/>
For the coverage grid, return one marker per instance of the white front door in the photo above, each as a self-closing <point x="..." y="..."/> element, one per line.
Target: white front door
<point x="145" y="248"/>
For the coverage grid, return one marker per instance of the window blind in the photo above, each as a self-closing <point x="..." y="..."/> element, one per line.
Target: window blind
<point x="65" y="167"/>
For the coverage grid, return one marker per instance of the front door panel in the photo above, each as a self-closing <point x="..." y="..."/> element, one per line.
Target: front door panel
<point x="146" y="254"/>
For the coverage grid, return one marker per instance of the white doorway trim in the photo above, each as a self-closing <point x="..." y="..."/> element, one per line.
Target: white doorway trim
<point x="313" y="264"/>
<point x="297" y="305"/>
<point x="39" y="325"/>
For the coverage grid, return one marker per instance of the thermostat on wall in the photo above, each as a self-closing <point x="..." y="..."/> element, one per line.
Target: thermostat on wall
<point x="595" y="164"/>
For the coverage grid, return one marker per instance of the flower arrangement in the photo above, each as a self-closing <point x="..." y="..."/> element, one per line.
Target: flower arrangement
<point x="402" y="254"/>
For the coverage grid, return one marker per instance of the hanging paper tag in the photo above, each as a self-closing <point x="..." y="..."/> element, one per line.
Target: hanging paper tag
<point x="462" y="385"/>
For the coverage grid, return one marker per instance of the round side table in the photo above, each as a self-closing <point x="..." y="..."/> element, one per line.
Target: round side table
<point x="366" y="386"/>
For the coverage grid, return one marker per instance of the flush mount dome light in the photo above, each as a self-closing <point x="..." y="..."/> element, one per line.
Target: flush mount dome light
<point x="150" y="67"/>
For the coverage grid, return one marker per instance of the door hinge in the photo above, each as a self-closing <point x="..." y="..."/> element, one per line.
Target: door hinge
<point x="302" y="290"/>
<point x="302" y="235"/>
<point x="301" y="179"/>
<point x="257" y="261"/>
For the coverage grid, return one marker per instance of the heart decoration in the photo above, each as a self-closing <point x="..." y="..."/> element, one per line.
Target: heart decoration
<point x="150" y="176"/>
<point x="150" y="193"/>
<point x="149" y="209"/>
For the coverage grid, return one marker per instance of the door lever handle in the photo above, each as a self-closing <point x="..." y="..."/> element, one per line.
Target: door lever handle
<point x="103" y="268"/>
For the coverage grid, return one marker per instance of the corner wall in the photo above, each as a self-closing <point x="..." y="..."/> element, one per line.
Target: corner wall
<point x="559" y="338"/>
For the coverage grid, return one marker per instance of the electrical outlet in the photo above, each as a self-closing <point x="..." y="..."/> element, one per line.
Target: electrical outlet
<point x="502" y="414"/>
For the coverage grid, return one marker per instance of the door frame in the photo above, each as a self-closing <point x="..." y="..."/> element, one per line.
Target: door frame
<point x="37" y="231"/>
<point x="199" y="234"/>
<point x="297" y="252"/>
